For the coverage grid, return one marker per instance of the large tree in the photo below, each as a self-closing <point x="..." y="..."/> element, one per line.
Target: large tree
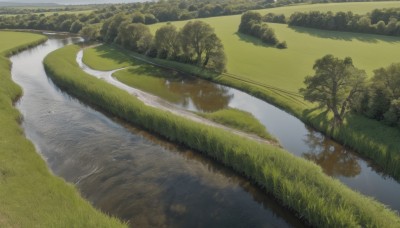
<point x="334" y="85"/>
<point x="200" y="43"/>
<point x="167" y="42"/>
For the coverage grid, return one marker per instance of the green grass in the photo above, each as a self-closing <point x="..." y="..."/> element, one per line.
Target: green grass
<point x="276" y="75"/>
<point x="30" y="196"/>
<point x="240" y="120"/>
<point x="297" y="183"/>
<point x="286" y="69"/>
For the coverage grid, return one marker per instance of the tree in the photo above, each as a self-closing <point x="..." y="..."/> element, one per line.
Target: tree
<point x="166" y="41"/>
<point x="248" y="19"/>
<point x="194" y="37"/>
<point x="134" y="36"/>
<point x="335" y="84"/>
<point x="89" y="33"/>
<point x="76" y="27"/>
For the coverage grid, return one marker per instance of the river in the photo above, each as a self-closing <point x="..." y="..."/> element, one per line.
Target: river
<point x="127" y="172"/>
<point x="194" y="94"/>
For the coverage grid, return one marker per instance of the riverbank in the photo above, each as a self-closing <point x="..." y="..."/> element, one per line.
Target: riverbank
<point x="358" y="133"/>
<point x="298" y="184"/>
<point x="30" y="196"/>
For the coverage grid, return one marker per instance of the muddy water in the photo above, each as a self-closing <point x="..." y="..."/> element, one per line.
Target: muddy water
<point x="129" y="173"/>
<point x="336" y="160"/>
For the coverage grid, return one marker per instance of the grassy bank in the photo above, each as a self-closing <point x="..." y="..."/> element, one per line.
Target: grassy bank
<point x="295" y="182"/>
<point x="30" y="196"/>
<point x="240" y="120"/>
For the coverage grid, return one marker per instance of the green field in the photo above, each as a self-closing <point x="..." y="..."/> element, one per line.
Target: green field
<point x="30" y="196"/>
<point x="286" y="68"/>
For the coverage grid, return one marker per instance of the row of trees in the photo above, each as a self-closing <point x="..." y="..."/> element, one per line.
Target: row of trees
<point x="384" y="22"/>
<point x="252" y="24"/>
<point x="381" y="100"/>
<point x="339" y="86"/>
<point x="64" y="22"/>
<point x="196" y="43"/>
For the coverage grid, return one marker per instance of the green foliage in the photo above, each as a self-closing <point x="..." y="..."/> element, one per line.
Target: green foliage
<point x="200" y="44"/>
<point x="295" y="182"/>
<point x="251" y="24"/>
<point x="167" y="42"/>
<point x="381" y="103"/>
<point x="30" y="196"/>
<point x="89" y="33"/>
<point x="240" y="120"/>
<point x="348" y="21"/>
<point x="335" y="84"/>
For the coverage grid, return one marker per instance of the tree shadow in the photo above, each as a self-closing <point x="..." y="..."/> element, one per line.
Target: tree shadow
<point x="346" y="36"/>
<point x="110" y="52"/>
<point x="252" y="40"/>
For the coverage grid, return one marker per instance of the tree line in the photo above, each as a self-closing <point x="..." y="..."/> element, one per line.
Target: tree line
<point x="252" y="24"/>
<point x="340" y="87"/>
<point x="196" y="43"/>
<point x="379" y="21"/>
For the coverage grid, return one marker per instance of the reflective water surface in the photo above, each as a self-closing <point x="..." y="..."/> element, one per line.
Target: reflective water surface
<point x="129" y="173"/>
<point x="336" y="160"/>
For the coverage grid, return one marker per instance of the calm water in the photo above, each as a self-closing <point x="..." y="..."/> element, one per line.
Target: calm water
<point x="129" y="173"/>
<point x="336" y="160"/>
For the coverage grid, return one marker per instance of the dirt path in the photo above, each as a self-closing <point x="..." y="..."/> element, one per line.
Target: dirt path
<point x="159" y="103"/>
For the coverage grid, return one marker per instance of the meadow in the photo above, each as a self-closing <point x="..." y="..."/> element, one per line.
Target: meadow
<point x="30" y="196"/>
<point x="298" y="184"/>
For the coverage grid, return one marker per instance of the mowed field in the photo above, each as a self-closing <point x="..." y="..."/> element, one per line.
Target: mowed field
<point x="286" y="69"/>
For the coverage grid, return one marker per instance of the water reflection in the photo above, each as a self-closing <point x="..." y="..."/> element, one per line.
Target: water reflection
<point x="333" y="158"/>
<point x="129" y="173"/>
<point x="206" y="97"/>
<point x="182" y="90"/>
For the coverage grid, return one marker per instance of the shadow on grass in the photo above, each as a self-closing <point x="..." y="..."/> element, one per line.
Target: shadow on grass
<point x="110" y="52"/>
<point x="253" y="40"/>
<point x="346" y="36"/>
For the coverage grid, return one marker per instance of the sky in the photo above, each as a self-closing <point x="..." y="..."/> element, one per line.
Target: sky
<point x="69" y="2"/>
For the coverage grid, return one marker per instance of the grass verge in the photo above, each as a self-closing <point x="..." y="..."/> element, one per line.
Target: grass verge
<point x="30" y="196"/>
<point x="298" y="184"/>
<point x="240" y="120"/>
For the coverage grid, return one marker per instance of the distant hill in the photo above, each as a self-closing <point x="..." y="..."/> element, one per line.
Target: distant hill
<point x="5" y="3"/>
<point x="19" y="4"/>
